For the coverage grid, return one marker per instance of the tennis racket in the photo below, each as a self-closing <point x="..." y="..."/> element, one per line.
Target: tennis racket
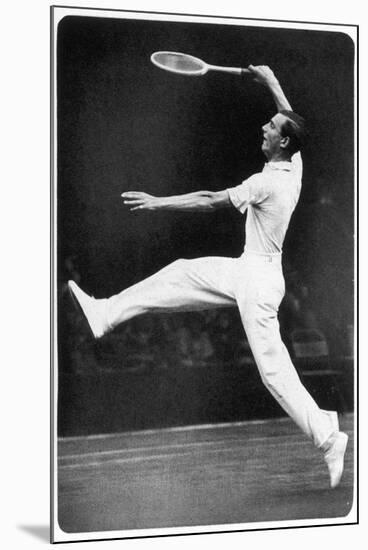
<point x="182" y="63"/>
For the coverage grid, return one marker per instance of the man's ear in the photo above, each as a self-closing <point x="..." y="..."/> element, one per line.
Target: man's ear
<point x="284" y="142"/>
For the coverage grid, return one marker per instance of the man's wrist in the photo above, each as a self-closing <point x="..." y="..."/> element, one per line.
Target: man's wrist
<point x="156" y="202"/>
<point x="274" y="84"/>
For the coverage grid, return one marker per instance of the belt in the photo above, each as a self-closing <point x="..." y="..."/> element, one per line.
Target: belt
<point x="262" y="257"/>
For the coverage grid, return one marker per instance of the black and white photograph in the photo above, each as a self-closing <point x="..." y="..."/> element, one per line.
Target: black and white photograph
<point x="204" y="188"/>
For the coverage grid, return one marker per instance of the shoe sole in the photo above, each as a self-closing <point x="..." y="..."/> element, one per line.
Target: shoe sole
<point x="342" y="450"/>
<point x="79" y="308"/>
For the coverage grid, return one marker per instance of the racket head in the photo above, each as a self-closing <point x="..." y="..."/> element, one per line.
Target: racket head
<point x="179" y="63"/>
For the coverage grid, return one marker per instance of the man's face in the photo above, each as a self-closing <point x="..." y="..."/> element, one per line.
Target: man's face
<point x="271" y="144"/>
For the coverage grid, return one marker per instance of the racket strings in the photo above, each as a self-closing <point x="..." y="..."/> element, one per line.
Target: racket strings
<point x="179" y="62"/>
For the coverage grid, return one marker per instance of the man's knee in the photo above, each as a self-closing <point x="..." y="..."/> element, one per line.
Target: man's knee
<point x="259" y="323"/>
<point x="181" y="262"/>
<point x="264" y="339"/>
<point x="176" y="265"/>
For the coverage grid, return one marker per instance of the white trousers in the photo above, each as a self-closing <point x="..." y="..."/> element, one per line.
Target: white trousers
<point x="255" y="284"/>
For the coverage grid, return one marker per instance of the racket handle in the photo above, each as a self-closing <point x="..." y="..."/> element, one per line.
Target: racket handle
<point x="230" y="70"/>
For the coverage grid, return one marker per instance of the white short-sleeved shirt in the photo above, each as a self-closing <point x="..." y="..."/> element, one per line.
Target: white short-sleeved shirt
<point x="270" y="198"/>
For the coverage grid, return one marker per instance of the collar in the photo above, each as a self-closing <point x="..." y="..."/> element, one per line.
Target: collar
<point x="280" y="165"/>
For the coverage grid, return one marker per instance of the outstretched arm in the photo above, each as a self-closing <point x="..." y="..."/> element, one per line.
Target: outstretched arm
<point x="264" y="75"/>
<point x="204" y="201"/>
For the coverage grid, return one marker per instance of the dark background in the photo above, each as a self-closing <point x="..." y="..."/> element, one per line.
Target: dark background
<point x="124" y="124"/>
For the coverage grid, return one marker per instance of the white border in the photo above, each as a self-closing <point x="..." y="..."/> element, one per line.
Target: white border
<point x="25" y="277"/>
<point x="59" y="14"/>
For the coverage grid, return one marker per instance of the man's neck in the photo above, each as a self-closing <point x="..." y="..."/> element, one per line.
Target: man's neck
<point x="280" y="156"/>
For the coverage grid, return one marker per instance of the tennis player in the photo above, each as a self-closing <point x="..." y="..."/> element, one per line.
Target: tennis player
<point x="253" y="282"/>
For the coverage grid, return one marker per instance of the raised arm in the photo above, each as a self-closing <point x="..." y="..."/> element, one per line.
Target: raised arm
<point x="264" y="75"/>
<point x="200" y="201"/>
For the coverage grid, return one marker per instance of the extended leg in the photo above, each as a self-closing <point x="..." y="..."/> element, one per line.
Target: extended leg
<point x="184" y="285"/>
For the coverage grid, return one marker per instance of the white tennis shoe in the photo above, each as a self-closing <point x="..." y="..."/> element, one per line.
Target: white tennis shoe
<point x="334" y="457"/>
<point x="94" y="310"/>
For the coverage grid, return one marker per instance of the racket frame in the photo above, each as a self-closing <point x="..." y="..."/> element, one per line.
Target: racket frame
<point x="205" y="67"/>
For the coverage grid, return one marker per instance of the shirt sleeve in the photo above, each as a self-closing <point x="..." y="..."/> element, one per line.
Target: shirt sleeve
<point x="253" y="190"/>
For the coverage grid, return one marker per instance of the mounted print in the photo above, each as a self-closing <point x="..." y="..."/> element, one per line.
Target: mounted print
<point x="204" y="179"/>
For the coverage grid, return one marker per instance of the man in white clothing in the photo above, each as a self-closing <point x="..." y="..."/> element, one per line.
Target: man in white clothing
<point x="254" y="282"/>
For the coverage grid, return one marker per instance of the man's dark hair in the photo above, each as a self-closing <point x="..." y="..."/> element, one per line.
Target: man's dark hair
<point x="295" y="129"/>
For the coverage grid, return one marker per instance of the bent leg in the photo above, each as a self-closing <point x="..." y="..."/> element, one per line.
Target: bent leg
<point x="184" y="285"/>
<point x="259" y="316"/>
